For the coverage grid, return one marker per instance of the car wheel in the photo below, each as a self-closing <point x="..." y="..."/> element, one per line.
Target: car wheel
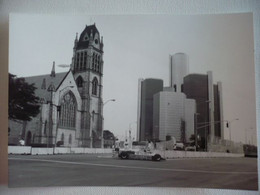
<point x="157" y="157"/>
<point x="124" y="155"/>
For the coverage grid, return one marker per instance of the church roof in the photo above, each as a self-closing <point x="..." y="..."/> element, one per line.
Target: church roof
<point x="43" y="82"/>
<point x="88" y="29"/>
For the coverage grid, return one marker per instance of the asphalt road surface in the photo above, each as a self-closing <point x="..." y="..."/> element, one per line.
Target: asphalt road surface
<point x="103" y="170"/>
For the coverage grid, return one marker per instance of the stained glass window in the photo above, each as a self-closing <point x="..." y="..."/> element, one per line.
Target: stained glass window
<point x="68" y="111"/>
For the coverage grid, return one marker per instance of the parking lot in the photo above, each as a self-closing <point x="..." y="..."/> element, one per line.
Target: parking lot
<point x="103" y="170"/>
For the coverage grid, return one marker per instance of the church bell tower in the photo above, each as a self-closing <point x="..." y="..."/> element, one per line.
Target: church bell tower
<point x="87" y="68"/>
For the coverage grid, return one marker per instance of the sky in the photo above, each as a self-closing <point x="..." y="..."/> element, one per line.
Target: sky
<point x="138" y="46"/>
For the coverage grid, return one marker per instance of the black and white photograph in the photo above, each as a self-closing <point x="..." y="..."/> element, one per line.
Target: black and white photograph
<point x="132" y="101"/>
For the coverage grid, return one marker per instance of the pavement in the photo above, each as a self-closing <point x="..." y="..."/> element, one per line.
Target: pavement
<point x="103" y="170"/>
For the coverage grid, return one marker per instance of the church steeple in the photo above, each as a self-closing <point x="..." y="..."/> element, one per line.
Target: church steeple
<point x="53" y="70"/>
<point x="87" y="66"/>
<point x="89" y="35"/>
<point x="88" y="51"/>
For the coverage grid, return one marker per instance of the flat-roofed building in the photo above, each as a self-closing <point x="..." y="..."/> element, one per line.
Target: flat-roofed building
<point x="147" y="88"/>
<point x="173" y="115"/>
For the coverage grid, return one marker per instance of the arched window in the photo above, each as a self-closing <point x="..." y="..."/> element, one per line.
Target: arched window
<point x="62" y="137"/>
<point x="79" y="81"/>
<point x="70" y="139"/>
<point x="94" y="86"/>
<point x="85" y="60"/>
<point x="98" y="64"/>
<point x="81" y="61"/>
<point x="93" y="61"/>
<point x="96" y="60"/>
<point x="68" y="111"/>
<point x="45" y="127"/>
<point x="77" y="61"/>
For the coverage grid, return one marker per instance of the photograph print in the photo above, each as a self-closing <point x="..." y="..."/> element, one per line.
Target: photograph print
<point x="132" y="100"/>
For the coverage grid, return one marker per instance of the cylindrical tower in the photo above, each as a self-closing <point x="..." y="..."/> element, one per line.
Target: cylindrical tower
<point x="178" y="70"/>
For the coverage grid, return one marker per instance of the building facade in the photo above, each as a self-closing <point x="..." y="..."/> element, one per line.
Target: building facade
<point x="179" y="68"/>
<point x="209" y="113"/>
<point x="173" y="115"/>
<point x="147" y="89"/>
<point x="71" y="111"/>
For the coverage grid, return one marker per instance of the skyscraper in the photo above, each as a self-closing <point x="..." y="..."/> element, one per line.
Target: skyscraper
<point x="208" y="104"/>
<point x="178" y="70"/>
<point x="148" y="88"/>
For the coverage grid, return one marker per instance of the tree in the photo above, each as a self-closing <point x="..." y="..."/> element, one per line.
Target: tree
<point x="23" y="104"/>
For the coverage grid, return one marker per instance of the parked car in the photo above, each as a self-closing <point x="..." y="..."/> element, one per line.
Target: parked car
<point x="179" y="146"/>
<point x="190" y="148"/>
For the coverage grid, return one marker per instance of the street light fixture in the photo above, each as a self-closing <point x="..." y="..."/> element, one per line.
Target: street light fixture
<point x="229" y="126"/>
<point x="102" y="139"/>
<point x="112" y="100"/>
<point x="130" y="131"/>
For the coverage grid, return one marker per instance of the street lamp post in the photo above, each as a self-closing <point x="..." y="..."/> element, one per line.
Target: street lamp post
<point x="130" y="138"/>
<point x="102" y="139"/>
<point x="229" y="126"/>
<point x="51" y="89"/>
<point x="196" y="130"/>
<point x="250" y="129"/>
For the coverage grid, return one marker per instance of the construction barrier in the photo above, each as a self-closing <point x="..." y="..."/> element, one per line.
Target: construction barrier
<point x="19" y="150"/>
<point x="40" y="151"/>
<point x="56" y="150"/>
<point x="168" y="154"/>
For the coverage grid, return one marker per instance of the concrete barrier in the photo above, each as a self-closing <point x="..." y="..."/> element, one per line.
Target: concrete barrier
<point x="104" y="150"/>
<point x="77" y="150"/>
<point x="19" y="149"/>
<point x="168" y="154"/>
<point x="59" y="150"/>
<point x="89" y="150"/>
<point x="39" y="151"/>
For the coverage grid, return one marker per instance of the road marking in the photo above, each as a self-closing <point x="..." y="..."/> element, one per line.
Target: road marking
<point x="133" y="167"/>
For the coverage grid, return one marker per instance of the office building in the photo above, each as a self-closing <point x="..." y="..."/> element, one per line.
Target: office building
<point x="173" y="115"/>
<point x="209" y="113"/>
<point x="178" y="70"/>
<point x="147" y="89"/>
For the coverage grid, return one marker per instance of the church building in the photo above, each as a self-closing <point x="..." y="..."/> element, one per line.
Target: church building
<point x="71" y="111"/>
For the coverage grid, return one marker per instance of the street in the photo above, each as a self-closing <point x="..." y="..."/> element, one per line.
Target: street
<point x="103" y="170"/>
